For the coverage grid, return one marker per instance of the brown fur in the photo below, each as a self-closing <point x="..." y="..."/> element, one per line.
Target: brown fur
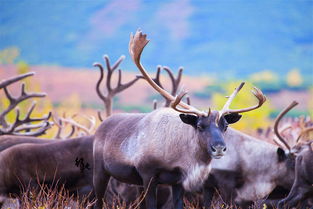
<point x="7" y="141"/>
<point x="302" y="187"/>
<point x="24" y="164"/>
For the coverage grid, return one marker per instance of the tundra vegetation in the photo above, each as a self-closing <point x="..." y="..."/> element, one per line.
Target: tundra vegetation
<point x="58" y="127"/>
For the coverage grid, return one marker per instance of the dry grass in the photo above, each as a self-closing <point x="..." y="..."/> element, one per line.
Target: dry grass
<point x="59" y="198"/>
<point x="47" y="198"/>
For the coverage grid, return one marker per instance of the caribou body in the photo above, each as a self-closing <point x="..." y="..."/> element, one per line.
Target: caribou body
<point x="32" y="160"/>
<point x="148" y="149"/>
<point x="250" y="170"/>
<point x="7" y="141"/>
<point x="245" y="176"/>
<point x="302" y="187"/>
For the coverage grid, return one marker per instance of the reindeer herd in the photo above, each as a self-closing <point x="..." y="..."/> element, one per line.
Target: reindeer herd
<point x="168" y="153"/>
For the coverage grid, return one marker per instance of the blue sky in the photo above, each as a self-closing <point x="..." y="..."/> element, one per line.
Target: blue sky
<point x="229" y="37"/>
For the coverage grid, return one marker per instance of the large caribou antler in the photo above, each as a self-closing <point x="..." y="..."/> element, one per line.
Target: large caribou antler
<point x="278" y="119"/>
<point x="111" y="92"/>
<point x="257" y="93"/>
<point x="305" y="128"/>
<point x="136" y="45"/>
<point x="175" y="81"/>
<point x="22" y="126"/>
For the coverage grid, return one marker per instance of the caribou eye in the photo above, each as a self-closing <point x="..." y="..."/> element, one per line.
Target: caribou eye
<point x="200" y="128"/>
<point x="223" y="125"/>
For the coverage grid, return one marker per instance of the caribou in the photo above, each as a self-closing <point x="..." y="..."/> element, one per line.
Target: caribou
<point x="172" y="146"/>
<point x="251" y="173"/>
<point x="242" y="179"/>
<point x="302" y="188"/>
<point x="67" y="162"/>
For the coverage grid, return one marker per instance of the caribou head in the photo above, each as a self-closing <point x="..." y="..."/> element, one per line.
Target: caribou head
<point x="209" y="125"/>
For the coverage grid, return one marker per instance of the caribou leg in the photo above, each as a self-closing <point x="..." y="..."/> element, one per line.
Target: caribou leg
<point x="178" y="193"/>
<point x="208" y="194"/>
<point x="150" y="191"/>
<point x="300" y="188"/>
<point x="208" y="191"/>
<point x="100" y="183"/>
<point x="295" y="197"/>
<point x="100" y="179"/>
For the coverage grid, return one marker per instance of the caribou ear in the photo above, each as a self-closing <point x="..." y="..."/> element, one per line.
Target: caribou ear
<point x="281" y="154"/>
<point x="189" y="119"/>
<point x="232" y="118"/>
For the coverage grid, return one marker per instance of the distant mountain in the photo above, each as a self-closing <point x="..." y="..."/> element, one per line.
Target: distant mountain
<point x="225" y="37"/>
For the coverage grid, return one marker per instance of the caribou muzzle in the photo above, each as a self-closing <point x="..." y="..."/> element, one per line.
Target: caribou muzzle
<point x="218" y="151"/>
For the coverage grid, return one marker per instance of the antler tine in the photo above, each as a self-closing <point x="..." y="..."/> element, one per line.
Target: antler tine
<point x="188" y="100"/>
<point x="9" y="129"/>
<point x="99" y="115"/>
<point x="42" y="129"/>
<point x="76" y="124"/>
<point x="177" y="101"/>
<point x="71" y="133"/>
<point x="30" y="110"/>
<point x="121" y="87"/>
<point x="304" y="132"/>
<point x="21" y="125"/>
<point x="157" y="79"/>
<point x="100" y="94"/>
<point x="28" y="127"/>
<point x="59" y="124"/>
<point x="225" y="108"/>
<point x="28" y="119"/>
<point x="92" y="124"/>
<point x="92" y="121"/>
<point x="116" y="64"/>
<point x="15" y="101"/>
<point x="278" y="119"/>
<point x="175" y="82"/>
<point x="111" y="70"/>
<point x="136" y="45"/>
<point x="111" y="92"/>
<point x="9" y="81"/>
<point x="257" y="93"/>
<point x="278" y="143"/>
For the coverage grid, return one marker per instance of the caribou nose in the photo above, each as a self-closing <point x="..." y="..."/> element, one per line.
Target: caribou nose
<point x="218" y="150"/>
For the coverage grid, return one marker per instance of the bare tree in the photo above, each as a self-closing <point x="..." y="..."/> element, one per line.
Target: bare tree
<point x="22" y="126"/>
